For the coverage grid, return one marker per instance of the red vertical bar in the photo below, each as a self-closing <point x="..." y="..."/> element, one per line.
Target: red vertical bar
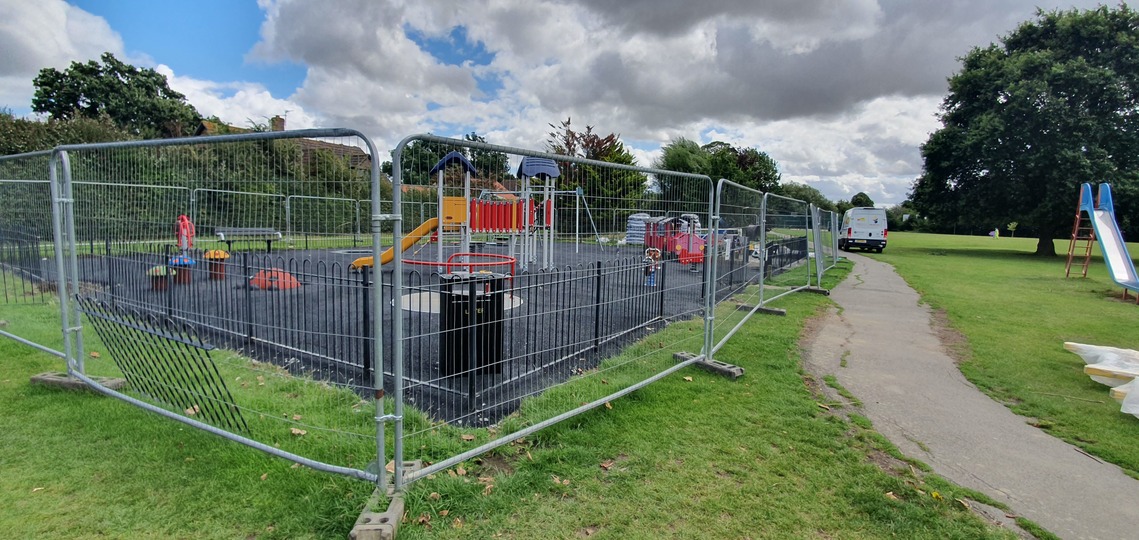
<point x="549" y="212"/>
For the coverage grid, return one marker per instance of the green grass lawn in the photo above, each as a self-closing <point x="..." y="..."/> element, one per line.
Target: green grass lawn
<point x="1016" y="311"/>
<point x="692" y="456"/>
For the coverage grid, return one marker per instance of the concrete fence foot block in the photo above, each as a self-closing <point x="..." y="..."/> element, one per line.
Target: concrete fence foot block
<point x="730" y="371"/>
<point x="378" y="525"/>
<point x="56" y="379"/>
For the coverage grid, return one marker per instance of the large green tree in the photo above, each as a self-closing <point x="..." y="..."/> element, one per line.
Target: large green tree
<point x="748" y="167"/>
<point x="1026" y="121"/>
<point x="861" y="199"/>
<point x="803" y="192"/>
<point x="136" y="100"/>
<point x="615" y="188"/>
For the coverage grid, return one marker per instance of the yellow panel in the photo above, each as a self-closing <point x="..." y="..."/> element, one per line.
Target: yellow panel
<point x="454" y="210"/>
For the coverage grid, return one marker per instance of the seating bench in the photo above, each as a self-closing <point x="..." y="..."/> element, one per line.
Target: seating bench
<point x="229" y="235"/>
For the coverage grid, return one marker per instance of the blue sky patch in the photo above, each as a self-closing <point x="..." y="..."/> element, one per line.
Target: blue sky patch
<point x="204" y="39"/>
<point x="455" y="49"/>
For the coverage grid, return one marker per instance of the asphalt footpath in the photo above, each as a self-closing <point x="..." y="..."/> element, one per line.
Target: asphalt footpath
<point x="915" y="395"/>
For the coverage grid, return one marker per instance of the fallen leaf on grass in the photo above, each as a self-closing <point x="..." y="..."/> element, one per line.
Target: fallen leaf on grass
<point x="297" y="432"/>
<point x="443" y="513"/>
<point x="689" y="379"/>
<point x="460" y="471"/>
<point x="296" y="417"/>
<point x="458" y="523"/>
<point x="890" y="495"/>
<point x="296" y="466"/>
<point x="486" y="490"/>
<point x="95" y="354"/>
<point x="425" y="520"/>
<point x="193" y="410"/>
<point x="607" y="464"/>
<point x="37" y="489"/>
<point x="265" y="476"/>
<point x="390" y="467"/>
<point x="937" y="496"/>
<point x="467" y="437"/>
<point x="608" y="405"/>
<point x="823" y="406"/>
<point x="434" y="496"/>
<point x="963" y="503"/>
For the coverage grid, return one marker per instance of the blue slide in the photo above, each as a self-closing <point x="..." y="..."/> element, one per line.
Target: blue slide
<point x="1102" y="213"/>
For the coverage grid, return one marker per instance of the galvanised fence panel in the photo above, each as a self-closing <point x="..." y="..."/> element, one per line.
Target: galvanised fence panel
<point x="27" y="268"/>
<point x="179" y="255"/>
<point x="224" y="276"/>
<point x="761" y="238"/>
<point x="546" y="283"/>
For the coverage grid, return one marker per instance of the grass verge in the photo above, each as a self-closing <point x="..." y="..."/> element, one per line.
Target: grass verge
<point x="694" y="455"/>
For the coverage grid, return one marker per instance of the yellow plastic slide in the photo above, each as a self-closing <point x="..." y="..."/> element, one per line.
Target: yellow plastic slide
<point x="410" y="239"/>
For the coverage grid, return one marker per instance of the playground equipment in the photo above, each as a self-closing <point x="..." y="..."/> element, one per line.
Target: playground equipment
<point x="676" y="236"/>
<point x="530" y="223"/>
<point x="1101" y="214"/>
<point x="427" y="228"/>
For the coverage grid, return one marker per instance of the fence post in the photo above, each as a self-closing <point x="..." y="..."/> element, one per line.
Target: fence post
<point x="110" y="268"/>
<point x="663" y="273"/>
<point x="169" y="281"/>
<point x="367" y="320"/>
<point x="472" y="346"/>
<point x="597" y="311"/>
<point x="248" y="298"/>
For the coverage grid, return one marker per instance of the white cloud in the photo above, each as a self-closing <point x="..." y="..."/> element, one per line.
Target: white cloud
<point x="240" y="104"/>
<point x="841" y="93"/>
<point x="46" y="33"/>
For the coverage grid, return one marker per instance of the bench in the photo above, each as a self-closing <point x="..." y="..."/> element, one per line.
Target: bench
<point x="229" y="235"/>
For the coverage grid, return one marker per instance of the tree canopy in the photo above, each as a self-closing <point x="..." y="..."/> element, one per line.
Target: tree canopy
<point x="861" y="199"/>
<point x="1025" y="122"/>
<point x="137" y="100"/>
<point x="619" y="187"/>
<point x="748" y="167"/>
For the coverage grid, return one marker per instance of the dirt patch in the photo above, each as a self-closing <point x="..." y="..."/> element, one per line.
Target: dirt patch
<point x="953" y="341"/>
<point x="890" y="464"/>
<point x="495" y="465"/>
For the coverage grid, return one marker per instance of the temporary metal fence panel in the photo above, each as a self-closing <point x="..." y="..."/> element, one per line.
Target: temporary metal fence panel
<point x="258" y="339"/>
<point x="27" y="275"/>
<point x="757" y="242"/>
<point x="513" y="308"/>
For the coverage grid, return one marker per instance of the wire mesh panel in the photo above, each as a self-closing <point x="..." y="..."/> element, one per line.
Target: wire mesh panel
<point x="26" y="268"/>
<point x="544" y="282"/>
<point x="764" y="251"/>
<point x="180" y="260"/>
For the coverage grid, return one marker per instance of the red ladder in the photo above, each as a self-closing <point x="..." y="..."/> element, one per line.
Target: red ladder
<point x="1082" y="231"/>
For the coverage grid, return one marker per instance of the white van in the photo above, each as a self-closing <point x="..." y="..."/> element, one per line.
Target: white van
<point x="864" y="228"/>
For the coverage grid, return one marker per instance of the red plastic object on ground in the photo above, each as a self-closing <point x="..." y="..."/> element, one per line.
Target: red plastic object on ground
<point x="274" y="279"/>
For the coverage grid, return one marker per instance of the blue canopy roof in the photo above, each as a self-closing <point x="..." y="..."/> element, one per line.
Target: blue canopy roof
<point x="534" y="166"/>
<point x="453" y="157"/>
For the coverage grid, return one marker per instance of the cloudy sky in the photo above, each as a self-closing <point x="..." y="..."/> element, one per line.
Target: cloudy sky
<point x="839" y="92"/>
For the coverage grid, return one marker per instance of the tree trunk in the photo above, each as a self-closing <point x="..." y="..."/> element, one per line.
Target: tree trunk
<point x="1045" y="247"/>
